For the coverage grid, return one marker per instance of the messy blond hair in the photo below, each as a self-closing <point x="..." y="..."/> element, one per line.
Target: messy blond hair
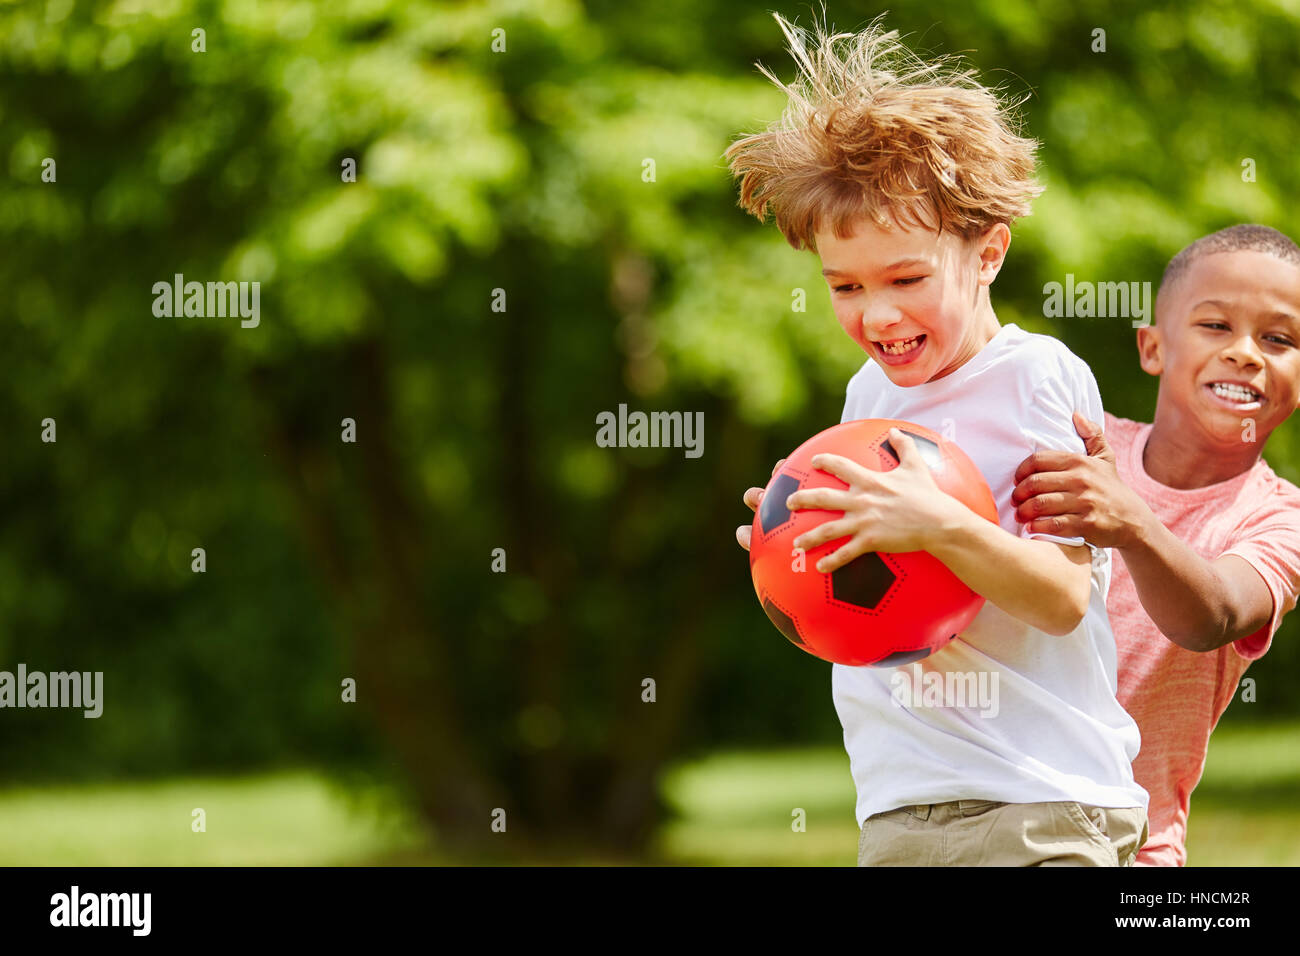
<point x="880" y="133"/>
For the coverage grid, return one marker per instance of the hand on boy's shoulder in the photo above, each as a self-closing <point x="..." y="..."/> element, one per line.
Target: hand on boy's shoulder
<point x="1068" y="494"/>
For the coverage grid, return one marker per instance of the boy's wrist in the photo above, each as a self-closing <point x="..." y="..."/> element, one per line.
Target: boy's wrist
<point x="952" y="524"/>
<point x="1140" y="532"/>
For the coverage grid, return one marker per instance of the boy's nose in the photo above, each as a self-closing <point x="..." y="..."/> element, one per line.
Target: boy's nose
<point x="882" y="331"/>
<point x="881" y="322"/>
<point x="1244" y="351"/>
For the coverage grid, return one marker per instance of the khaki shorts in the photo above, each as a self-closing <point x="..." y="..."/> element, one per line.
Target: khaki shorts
<point x="988" y="833"/>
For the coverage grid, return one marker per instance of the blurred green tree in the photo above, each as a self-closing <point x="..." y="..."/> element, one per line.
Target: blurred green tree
<point x="500" y="156"/>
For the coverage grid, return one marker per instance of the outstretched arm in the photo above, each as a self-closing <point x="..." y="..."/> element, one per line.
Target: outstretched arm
<point x="1198" y="604"/>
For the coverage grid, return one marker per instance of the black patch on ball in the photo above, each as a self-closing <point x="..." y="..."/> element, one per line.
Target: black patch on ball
<point x="773" y="513"/>
<point x="784" y="623"/>
<point x="864" y="581"/>
<point x="898" y="658"/>
<point x="929" y="449"/>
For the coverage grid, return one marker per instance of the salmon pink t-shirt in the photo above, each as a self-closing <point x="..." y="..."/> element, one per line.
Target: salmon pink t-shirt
<point x="1176" y="695"/>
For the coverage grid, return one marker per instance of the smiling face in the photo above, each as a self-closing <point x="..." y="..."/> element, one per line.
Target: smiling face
<point x="915" y="301"/>
<point x="1226" y="344"/>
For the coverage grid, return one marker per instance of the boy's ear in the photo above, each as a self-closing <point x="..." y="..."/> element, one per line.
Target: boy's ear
<point x="1150" y="350"/>
<point x="992" y="248"/>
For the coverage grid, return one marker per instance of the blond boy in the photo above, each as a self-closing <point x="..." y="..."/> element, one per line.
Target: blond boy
<point x="904" y="176"/>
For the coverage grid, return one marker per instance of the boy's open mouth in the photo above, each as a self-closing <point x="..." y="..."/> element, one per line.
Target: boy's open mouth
<point x="899" y="351"/>
<point x="1238" y="397"/>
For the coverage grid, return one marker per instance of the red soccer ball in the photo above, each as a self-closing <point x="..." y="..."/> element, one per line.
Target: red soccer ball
<point x="879" y="609"/>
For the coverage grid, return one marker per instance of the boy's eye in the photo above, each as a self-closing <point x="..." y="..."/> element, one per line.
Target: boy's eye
<point x="1279" y="339"/>
<point x="910" y="280"/>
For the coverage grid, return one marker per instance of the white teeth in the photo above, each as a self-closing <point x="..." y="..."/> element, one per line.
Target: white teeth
<point x="1234" y="393"/>
<point x="897" y="348"/>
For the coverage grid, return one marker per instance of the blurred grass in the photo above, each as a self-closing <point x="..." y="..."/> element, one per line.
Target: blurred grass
<point x="1246" y="809"/>
<point x="294" y="819"/>
<point x="736" y="809"/>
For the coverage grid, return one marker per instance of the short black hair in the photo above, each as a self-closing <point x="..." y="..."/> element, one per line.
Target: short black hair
<point x="1248" y="237"/>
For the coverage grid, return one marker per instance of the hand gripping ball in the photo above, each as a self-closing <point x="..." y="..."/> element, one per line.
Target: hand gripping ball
<point x="879" y="609"/>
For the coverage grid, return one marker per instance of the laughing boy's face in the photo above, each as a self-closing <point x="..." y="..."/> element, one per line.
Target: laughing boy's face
<point x="1226" y="344"/>
<point x="910" y="297"/>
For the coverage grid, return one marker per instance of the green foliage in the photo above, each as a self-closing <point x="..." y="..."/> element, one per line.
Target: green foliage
<point x="477" y="171"/>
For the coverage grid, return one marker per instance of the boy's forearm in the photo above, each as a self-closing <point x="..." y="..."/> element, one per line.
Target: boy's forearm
<point x="1033" y="581"/>
<point x="1179" y="590"/>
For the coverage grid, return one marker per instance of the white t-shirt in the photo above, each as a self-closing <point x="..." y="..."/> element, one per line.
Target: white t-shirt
<point x="1046" y="726"/>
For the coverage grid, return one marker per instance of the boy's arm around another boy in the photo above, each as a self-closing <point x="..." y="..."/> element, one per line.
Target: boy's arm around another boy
<point x="1198" y="604"/>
